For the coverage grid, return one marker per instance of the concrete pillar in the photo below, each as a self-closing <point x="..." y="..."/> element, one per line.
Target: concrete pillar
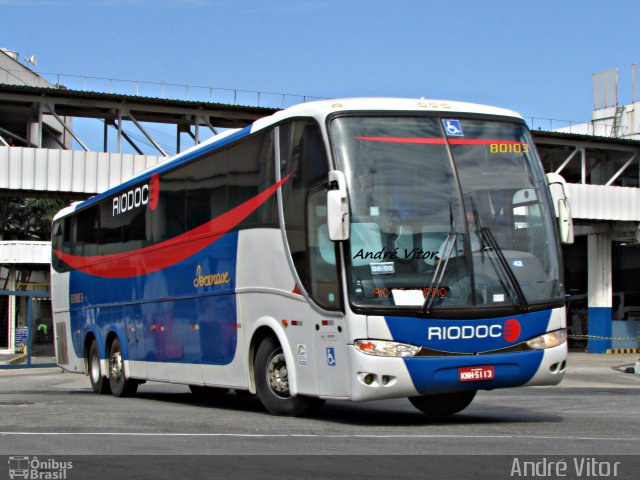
<point x="599" y="292"/>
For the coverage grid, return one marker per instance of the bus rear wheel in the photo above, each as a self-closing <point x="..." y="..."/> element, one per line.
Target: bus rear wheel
<point x="272" y="382"/>
<point x="443" y="404"/>
<point x="121" y="386"/>
<point x="99" y="383"/>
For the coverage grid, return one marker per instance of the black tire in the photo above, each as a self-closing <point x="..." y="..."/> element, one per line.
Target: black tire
<point x="443" y="404"/>
<point x="99" y="383"/>
<point x="206" y="393"/>
<point x="272" y="383"/>
<point x="121" y="386"/>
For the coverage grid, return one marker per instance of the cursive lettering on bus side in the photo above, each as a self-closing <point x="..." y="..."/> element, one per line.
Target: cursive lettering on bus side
<point x="211" y="279"/>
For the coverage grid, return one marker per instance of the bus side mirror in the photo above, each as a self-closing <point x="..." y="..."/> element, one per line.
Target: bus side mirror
<point x="337" y="207"/>
<point x="560" y="196"/>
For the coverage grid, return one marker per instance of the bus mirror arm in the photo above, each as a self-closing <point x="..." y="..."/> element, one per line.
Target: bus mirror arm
<point x="337" y="207"/>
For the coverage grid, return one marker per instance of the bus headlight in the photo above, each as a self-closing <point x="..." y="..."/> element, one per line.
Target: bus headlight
<point x="548" y="340"/>
<point x="385" y="348"/>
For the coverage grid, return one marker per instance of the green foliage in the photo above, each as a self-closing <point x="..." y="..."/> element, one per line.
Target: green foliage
<point x="27" y="219"/>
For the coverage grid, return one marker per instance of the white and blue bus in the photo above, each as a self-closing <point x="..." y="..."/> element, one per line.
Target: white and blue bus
<point x="354" y="249"/>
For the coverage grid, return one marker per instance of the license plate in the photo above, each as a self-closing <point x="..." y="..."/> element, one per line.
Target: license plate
<point x="473" y="374"/>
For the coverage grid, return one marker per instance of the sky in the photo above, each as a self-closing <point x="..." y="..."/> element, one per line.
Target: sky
<point x="536" y="57"/>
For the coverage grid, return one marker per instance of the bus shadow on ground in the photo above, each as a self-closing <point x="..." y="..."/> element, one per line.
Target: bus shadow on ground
<point x="375" y="413"/>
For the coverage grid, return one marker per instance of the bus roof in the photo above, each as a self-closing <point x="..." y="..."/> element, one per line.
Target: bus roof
<point x="322" y="108"/>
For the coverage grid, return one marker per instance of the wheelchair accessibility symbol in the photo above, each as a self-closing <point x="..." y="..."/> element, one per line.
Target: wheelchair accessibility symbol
<point x="331" y="357"/>
<point x="453" y="128"/>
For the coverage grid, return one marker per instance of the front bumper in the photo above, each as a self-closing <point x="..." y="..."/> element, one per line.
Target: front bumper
<point x="374" y="378"/>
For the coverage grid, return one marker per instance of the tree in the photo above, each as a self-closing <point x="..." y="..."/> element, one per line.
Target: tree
<point x="27" y="219"/>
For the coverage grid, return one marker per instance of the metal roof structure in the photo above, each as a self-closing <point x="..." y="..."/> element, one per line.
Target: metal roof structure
<point x="77" y="103"/>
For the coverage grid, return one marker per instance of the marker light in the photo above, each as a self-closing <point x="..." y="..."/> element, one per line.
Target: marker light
<point x="384" y="348"/>
<point x="548" y="340"/>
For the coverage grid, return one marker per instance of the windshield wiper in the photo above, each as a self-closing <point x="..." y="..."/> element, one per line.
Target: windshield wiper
<point x="449" y="245"/>
<point x="487" y="237"/>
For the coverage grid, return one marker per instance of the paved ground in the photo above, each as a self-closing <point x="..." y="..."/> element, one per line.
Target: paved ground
<point x="594" y="412"/>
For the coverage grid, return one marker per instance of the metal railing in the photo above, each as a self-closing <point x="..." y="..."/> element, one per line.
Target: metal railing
<point x="167" y="90"/>
<point x="236" y="96"/>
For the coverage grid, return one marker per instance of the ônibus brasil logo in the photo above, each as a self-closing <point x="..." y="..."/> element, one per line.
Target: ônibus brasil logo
<point x="147" y="194"/>
<point x="510" y="331"/>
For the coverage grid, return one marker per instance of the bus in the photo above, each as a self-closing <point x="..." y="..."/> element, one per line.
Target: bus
<point x="355" y="249"/>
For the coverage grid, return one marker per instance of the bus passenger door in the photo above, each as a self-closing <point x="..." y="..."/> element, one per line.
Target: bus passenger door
<point x="330" y="335"/>
<point x="313" y="254"/>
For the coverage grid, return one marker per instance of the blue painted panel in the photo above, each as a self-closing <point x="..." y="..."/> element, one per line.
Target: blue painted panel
<point x="626" y="329"/>
<point x="599" y="325"/>
<point x="184" y="313"/>
<point x="469" y="335"/>
<point x="432" y="375"/>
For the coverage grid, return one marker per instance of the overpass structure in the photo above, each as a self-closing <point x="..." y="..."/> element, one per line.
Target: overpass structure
<point x="43" y="155"/>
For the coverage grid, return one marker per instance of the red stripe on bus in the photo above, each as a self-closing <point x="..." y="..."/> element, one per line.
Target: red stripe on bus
<point x="429" y="141"/>
<point x="439" y="141"/>
<point x="165" y="254"/>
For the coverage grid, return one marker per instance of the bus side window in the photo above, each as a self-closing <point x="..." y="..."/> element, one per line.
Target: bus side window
<point x="168" y="219"/>
<point x="207" y="188"/>
<point x="87" y="224"/>
<point x="251" y="171"/>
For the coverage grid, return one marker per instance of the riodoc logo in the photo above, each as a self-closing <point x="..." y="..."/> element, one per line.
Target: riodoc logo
<point x="510" y="331"/>
<point x="147" y="194"/>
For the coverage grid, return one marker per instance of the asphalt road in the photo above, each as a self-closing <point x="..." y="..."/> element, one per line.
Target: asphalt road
<point x="594" y="412"/>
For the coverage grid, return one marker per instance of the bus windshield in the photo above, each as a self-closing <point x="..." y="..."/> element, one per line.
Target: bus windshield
<point x="446" y="212"/>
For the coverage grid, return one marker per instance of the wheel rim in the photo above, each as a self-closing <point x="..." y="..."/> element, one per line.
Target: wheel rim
<point x="277" y="375"/>
<point x="115" y="371"/>
<point x="94" y="368"/>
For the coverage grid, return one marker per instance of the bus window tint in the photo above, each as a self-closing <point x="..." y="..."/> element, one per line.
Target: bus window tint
<point x="251" y="171"/>
<point x="168" y="219"/>
<point x="206" y="188"/>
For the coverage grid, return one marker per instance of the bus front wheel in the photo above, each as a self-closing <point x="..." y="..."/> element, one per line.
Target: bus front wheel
<point x="443" y="404"/>
<point x="272" y="382"/>
<point x="121" y="386"/>
<point x="99" y="383"/>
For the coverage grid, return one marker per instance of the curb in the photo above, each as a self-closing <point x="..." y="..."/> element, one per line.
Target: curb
<point x="614" y="351"/>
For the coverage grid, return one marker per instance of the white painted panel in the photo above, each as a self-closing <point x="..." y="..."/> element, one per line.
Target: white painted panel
<point x="15" y="168"/>
<point x="28" y="169"/>
<point x="102" y="179"/>
<point x="25" y="252"/>
<point x="126" y="171"/>
<point x="138" y="163"/>
<point x="40" y="174"/>
<point x="66" y="171"/>
<point x="53" y="170"/>
<point x="56" y="170"/>
<point x="77" y="177"/>
<point x="115" y="168"/>
<point x="599" y="202"/>
<point x="4" y="166"/>
<point x="91" y="172"/>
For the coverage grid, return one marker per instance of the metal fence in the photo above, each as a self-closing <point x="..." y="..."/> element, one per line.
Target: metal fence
<point x="26" y="329"/>
<point x="164" y="90"/>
